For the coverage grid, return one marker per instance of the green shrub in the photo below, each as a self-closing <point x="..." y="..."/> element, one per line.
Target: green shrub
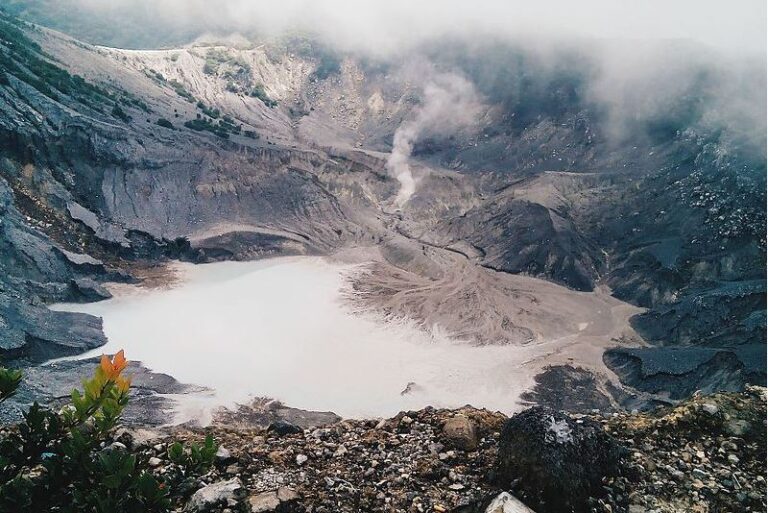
<point x="211" y="112"/>
<point x="210" y="67"/>
<point x="120" y="114"/>
<point x="165" y="123"/>
<point x="54" y="461"/>
<point x="259" y="92"/>
<point x="181" y="91"/>
<point x="205" y="125"/>
<point x="194" y="458"/>
<point x="9" y="382"/>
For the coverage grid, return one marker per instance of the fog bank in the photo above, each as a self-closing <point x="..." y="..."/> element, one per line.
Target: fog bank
<point x="384" y="26"/>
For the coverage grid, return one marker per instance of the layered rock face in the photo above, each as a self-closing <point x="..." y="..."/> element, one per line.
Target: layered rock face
<point x="214" y="152"/>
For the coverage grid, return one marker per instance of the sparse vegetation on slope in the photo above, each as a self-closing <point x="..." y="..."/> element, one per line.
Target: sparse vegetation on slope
<point x="23" y="59"/>
<point x="259" y="92"/>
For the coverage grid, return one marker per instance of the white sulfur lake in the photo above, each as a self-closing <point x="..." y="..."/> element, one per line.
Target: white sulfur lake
<point x="280" y="328"/>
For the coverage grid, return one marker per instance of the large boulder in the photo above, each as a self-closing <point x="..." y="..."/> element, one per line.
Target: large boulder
<point x="553" y="462"/>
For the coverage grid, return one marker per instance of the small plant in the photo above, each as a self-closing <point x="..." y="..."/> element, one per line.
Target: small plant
<point x="54" y="461"/>
<point x="193" y="458"/>
<point x="10" y="379"/>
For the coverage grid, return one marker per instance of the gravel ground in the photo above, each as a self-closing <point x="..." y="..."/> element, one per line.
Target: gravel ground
<point x="705" y="455"/>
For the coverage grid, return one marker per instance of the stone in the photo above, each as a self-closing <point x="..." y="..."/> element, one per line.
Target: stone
<point x="272" y="500"/>
<point x="710" y="408"/>
<point x="286" y="494"/>
<point x="154" y="461"/>
<point x="214" y="494"/>
<point x="282" y="428"/>
<point x="506" y="503"/>
<point x="301" y="459"/>
<point x="737" y="427"/>
<point x="223" y="454"/>
<point x="461" y="432"/>
<point x="554" y="460"/>
<point x="262" y="502"/>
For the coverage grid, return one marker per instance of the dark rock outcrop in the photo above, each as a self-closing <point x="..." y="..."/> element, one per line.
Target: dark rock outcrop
<point x="574" y="389"/>
<point x="677" y="372"/>
<point x="52" y="383"/>
<point x="553" y="462"/>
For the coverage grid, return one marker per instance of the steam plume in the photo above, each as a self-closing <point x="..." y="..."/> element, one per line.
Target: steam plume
<point x="450" y="103"/>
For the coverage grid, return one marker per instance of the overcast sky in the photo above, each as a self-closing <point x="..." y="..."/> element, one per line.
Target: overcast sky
<point x="728" y="25"/>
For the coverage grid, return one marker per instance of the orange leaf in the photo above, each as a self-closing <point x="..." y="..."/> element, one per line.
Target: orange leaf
<point x="119" y="362"/>
<point x="106" y="365"/>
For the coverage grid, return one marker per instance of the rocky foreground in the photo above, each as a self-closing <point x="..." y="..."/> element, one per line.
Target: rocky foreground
<point x="706" y="454"/>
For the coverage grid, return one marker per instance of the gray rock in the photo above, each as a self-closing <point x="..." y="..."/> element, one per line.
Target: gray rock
<point x="697" y="472"/>
<point x="223" y="454"/>
<point x="48" y="383"/>
<point x="262" y="502"/>
<point x="461" y="432"/>
<point x="214" y="494"/>
<point x="737" y="427"/>
<point x="272" y="500"/>
<point x="506" y="503"/>
<point x="91" y="290"/>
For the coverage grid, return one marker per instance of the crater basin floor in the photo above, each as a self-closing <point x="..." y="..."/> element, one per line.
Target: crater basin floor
<point x="280" y="328"/>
